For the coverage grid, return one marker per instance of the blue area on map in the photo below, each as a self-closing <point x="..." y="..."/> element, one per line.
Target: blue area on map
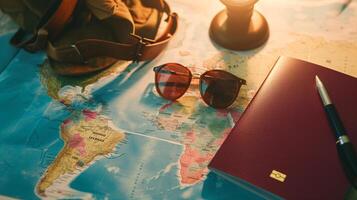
<point x="29" y="128"/>
<point x="7" y="52"/>
<point x="137" y="165"/>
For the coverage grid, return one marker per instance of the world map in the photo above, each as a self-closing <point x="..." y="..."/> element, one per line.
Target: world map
<point x="109" y="135"/>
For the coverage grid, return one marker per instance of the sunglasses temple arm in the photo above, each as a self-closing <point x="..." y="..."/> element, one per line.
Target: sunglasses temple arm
<point x="240" y="80"/>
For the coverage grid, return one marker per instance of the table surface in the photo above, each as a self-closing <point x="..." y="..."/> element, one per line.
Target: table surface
<point x="109" y="135"/>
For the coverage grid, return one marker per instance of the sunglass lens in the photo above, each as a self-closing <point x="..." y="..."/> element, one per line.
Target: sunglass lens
<point x="219" y="89"/>
<point x="172" y="80"/>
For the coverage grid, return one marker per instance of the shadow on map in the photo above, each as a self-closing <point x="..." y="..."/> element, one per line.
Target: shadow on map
<point x="215" y="187"/>
<point x="133" y="73"/>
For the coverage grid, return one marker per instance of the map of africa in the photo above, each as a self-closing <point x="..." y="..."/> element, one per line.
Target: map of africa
<point x="110" y="136"/>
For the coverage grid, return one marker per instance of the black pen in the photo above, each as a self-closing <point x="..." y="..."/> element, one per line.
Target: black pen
<point x="345" y="148"/>
<point x="344" y="6"/>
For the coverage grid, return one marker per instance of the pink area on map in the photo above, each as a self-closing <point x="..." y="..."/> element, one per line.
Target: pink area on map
<point x="166" y="106"/>
<point x="66" y="123"/>
<point x="235" y="115"/>
<point x="190" y="137"/>
<point x="190" y="172"/>
<point x="222" y="113"/>
<point x="77" y="142"/>
<point x="89" y="115"/>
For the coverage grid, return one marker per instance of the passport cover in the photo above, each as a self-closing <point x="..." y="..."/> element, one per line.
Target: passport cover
<point x="283" y="142"/>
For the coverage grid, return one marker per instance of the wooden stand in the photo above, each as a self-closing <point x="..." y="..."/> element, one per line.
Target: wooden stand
<point x="239" y="27"/>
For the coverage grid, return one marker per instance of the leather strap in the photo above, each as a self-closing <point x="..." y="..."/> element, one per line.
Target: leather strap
<point x="50" y="25"/>
<point x="141" y="49"/>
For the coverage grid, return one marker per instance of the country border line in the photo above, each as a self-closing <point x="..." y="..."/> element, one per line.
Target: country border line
<point x="153" y="137"/>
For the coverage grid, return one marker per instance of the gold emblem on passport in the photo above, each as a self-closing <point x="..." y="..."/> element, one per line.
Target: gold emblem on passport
<point x="278" y="176"/>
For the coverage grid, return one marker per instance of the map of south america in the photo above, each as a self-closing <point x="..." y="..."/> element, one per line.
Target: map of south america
<point x="87" y="135"/>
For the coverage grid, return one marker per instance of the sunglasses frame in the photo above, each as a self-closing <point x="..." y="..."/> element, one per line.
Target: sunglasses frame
<point x="157" y="69"/>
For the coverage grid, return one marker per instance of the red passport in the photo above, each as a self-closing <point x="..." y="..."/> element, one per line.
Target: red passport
<point x="283" y="142"/>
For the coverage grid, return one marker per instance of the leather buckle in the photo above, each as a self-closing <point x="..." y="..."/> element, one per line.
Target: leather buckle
<point x="142" y="42"/>
<point x="78" y="54"/>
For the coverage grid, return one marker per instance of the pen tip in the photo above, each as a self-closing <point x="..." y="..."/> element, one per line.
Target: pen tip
<point x="318" y="81"/>
<point x="322" y="91"/>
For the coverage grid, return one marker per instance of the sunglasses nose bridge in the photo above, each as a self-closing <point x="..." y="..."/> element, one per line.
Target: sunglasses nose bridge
<point x="196" y="75"/>
<point x="157" y="68"/>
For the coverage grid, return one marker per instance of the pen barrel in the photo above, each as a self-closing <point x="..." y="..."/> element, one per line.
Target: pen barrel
<point x="348" y="159"/>
<point x="334" y="120"/>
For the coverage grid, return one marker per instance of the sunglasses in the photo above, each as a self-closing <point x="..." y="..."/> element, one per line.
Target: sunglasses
<point x="218" y="88"/>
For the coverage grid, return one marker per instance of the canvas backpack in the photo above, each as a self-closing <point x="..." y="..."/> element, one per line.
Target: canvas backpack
<point x="83" y="36"/>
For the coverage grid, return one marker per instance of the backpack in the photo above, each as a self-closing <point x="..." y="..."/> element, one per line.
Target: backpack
<point x="84" y="36"/>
